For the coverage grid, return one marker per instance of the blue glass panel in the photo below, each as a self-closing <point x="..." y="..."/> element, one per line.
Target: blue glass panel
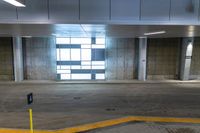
<point x="87" y="71"/>
<point x="68" y="62"/>
<point x="80" y="71"/>
<point x="93" y="76"/>
<point x="98" y="71"/>
<point x="68" y="46"/>
<point x="93" y="40"/>
<point x="98" y="54"/>
<point x="58" y="76"/>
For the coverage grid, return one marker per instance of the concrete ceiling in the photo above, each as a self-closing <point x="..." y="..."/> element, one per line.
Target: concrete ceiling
<point x="87" y="30"/>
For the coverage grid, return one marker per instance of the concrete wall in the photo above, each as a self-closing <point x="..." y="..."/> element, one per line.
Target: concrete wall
<point x="39" y="58"/>
<point x="120" y="58"/>
<point x="6" y="59"/>
<point x="163" y="58"/>
<point x="195" y="65"/>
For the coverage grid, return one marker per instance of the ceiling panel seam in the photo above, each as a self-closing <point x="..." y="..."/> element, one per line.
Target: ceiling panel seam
<point x="110" y="9"/>
<point x="170" y="8"/>
<point x="140" y="16"/>
<point x="198" y="10"/>
<point x="48" y="9"/>
<point x="79" y="8"/>
<point x="16" y="13"/>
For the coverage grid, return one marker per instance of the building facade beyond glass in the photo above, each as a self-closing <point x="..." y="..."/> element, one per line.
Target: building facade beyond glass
<point x="80" y="58"/>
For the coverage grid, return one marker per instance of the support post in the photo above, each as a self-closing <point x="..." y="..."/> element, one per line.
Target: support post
<point x="31" y="120"/>
<point x="142" y="58"/>
<point x="18" y="59"/>
<point x="186" y="58"/>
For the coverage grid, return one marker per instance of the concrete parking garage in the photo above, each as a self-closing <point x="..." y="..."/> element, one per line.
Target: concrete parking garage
<point x="61" y="105"/>
<point x="100" y="66"/>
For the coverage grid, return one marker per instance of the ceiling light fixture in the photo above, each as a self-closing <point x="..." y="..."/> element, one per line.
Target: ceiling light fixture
<point x="17" y="3"/>
<point x="27" y="36"/>
<point x="154" y="33"/>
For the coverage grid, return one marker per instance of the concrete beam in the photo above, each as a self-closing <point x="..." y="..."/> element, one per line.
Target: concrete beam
<point x="18" y="59"/>
<point x="142" y="59"/>
<point x="186" y="57"/>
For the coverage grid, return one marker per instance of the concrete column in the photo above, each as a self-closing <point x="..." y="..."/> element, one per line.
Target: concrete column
<point x="142" y="58"/>
<point x="186" y="57"/>
<point x="18" y="59"/>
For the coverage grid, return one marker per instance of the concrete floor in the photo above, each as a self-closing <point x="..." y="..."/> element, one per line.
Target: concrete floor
<point x="143" y="127"/>
<point x="58" y="105"/>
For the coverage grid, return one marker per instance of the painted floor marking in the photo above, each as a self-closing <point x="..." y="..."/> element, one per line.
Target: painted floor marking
<point x="108" y="123"/>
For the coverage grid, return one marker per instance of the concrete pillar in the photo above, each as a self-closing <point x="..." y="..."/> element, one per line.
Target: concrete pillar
<point x="18" y="59"/>
<point x="142" y="58"/>
<point x="186" y="57"/>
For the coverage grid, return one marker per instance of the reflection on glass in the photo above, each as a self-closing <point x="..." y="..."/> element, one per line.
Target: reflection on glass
<point x="64" y="76"/>
<point x="58" y="54"/>
<point x="98" y="63"/>
<point x="98" y="46"/>
<point x="85" y="54"/>
<point x="80" y="63"/>
<point x="65" y="67"/>
<point x="64" y="54"/>
<point x="86" y="67"/>
<point x="81" y="76"/>
<point x="86" y="63"/>
<point x="100" y="76"/>
<point x="80" y="40"/>
<point x="98" y="67"/>
<point x="85" y="46"/>
<point x="58" y="67"/>
<point x="100" y="40"/>
<point x="75" y="67"/>
<point x="62" y="40"/>
<point x="63" y="71"/>
<point x="75" y="54"/>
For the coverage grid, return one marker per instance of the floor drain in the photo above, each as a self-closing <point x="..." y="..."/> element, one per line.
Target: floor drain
<point x="77" y="98"/>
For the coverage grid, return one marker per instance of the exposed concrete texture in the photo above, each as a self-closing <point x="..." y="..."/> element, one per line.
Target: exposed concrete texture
<point x="6" y="59"/>
<point x="150" y="127"/>
<point x="142" y="59"/>
<point x="186" y="57"/>
<point x="195" y="64"/>
<point x="18" y="59"/>
<point x="65" y="105"/>
<point x="163" y="58"/>
<point x="120" y="59"/>
<point x="40" y="58"/>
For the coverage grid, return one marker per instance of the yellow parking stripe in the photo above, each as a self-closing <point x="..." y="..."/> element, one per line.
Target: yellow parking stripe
<point x="96" y="125"/>
<point x="24" y="131"/>
<point x="166" y="119"/>
<point x="128" y="119"/>
<point x="108" y="123"/>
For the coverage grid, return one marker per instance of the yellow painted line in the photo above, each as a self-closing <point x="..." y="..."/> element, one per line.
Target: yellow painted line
<point x="166" y="119"/>
<point x="114" y="122"/>
<point x="96" y="125"/>
<point x="24" y="131"/>
<point x="108" y="123"/>
<point x="13" y="131"/>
